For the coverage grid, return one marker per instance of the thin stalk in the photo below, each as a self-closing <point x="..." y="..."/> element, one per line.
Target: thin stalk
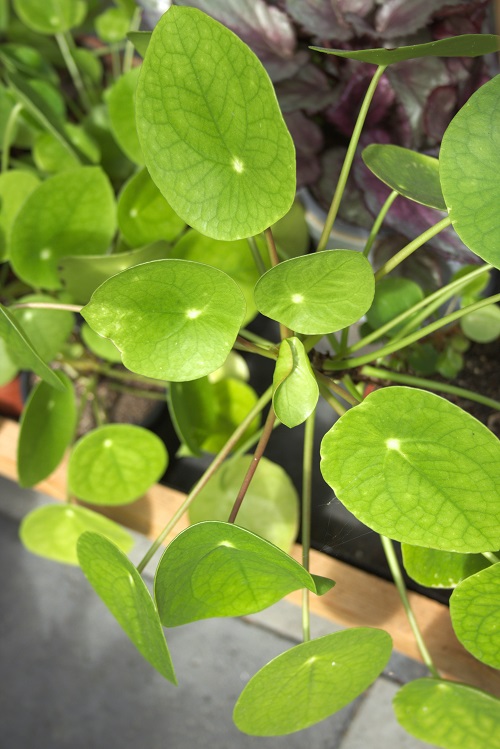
<point x="310" y="341"/>
<point x="349" y="158"/>
<point x="398" y="258"/>
<point x="243" y="345"/>
<point x="251" y="441"/>
<point x="379" y="221"/>
<point x="256" y="338"/>
<point x="211" y="470"/>
<point x="257" y="257"/>
<point x="344" y="341"/>
<point x="395" y="568"/>
<point x="48" y="305"/>
<point x="139" y="393"/>
<point x="422" y="333"/>
<point x="62" y="41"/>
<point x="85" y="366"/>
<point x="439" y="387"/>
<point x="9" y="134"/>
<point x="333" y="342"/>
<point x="491" y="557"/>
<point x="273" y="256"/>
<point x="331" y="400"/>
<point x="307" y="465"/>
<point x="115" y="62"/>
<point x="128" y="56"/>
<point x="337" y="389"/>
<point x="351" y="388"/>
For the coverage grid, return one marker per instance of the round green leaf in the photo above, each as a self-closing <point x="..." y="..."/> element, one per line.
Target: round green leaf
<point x="115" y="464"/>
<point x="291" y="233"/>
<point x="171" y="319"/>
<point x="311" y="681"/>
<point x="211" y="130"/>
<point x="295" y="389"/>
<point x="51" y="16"/>
<point x="217" y="569"/>
<point x="318" y="293"/>
<point x="15" y="187"/>
<point x="449" y="715"/>
<point x="393" y="295"/>
<point x="50" y="328"/>
<point x="112" y="25"/>
<point x="51" y="156"/>
<point x="121" y="109"/>
<point x="483" y="325"/>
<point x="418" y="469"/>
<point x="144" y="216"/>
<point x="475" y="614"/>
<point x="52" y="531"/>
<point x="89" y="65"/>
<point x="102" y="347"/>
<point x="412" y="174"/>
<point x="469" y="163"/>
<point x="270" y="508"/>
<point x="72" y="213"/>
<point x="47" y="428"/>
<point x="440" y="569"/>
<point x="117" y="582"/>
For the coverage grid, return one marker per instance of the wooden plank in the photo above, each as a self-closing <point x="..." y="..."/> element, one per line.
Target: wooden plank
<point x="358" y="599"/>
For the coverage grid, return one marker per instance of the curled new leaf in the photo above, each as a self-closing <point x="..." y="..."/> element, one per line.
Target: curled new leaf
<point x="295" y="390"/>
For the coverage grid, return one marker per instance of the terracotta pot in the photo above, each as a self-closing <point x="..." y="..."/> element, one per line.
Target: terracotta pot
<point x="11" y="401"/>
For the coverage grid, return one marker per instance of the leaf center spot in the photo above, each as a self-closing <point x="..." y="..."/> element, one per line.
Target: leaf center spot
<point x="54" y="20"/>
<point x="311" y="660"/>
<point x="192" y="314"/>
<point x="297" y="298"/>
<point x="227" y="543"/>
<point x="133" y="212"/>
<point x="238" y="165"/>
<point x="393" y="444"/>
<point x="46" y="253"/>
<point x="107" y="443"/>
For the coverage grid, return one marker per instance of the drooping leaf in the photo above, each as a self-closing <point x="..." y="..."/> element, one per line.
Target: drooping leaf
<point x="466" y="45"/>
<point x="440" y="569"/>
<point x="144" y="216"/>
<point x="449" y="715"/>
<point x="412" y="174"/>
<point x="311" y="681"/>
<point x="122" y="114"/>
<point x="89" y="65"/>
<point x="202" y="310"/>
<point x="51" y="156"/>
<point x="117" y="582"/>
<point x="393" y="296"/>
<point x="468" y="164"/>
<point x="210" y="128"/>
<point x="52" y="531"/>
<point x="47" y="427"/>
<point x="102" y="347"/>
<point x="115" y="464"/>
<point x="418" y="469"/>
<point x="15" y="188"/>
<point x="483" y="325"/>
<point x="475" y="614"/>
<point x="50" y="328"/>
<point x="270" y="508"/>
<point x="295" y="389"/>
<point x="215" y="569"/>
<point x="51" y="16"/>
<point x="72" y="213"/>
<point x="112" y="25"/>
<point x="318" y="293"/>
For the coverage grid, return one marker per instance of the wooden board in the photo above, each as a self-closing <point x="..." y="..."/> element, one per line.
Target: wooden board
<point x="358" y="599"/>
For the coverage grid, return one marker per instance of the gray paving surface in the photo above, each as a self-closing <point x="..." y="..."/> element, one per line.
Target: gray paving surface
<point x="70" y="679"/>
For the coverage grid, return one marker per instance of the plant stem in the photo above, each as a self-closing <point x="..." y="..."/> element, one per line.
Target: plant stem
<point x="351" y="388"/>
<point x="491" y="557"/>
<point x="273" y="256"/>
<point x="9" y="134"/>
<point x="349" y="158"/>
<point x="115" y="62"/>
<point x="395" y="568"/>
<point x="379" y="221"/>
<point x="128" y="56"/>
<point x="259" y="452"/>
<point x="337" y="389"/>
<point x="62" y="41"/>
<point x="331" y="400"/>
<point x="440" y="387"/>
<point x="212" y="468"/>
<point x="333" y="342"/>
<point x="257" y="257"/>
<point x="48" y="305"/>
<point x="85" y="365"/>
<point x="307" y="466"/>
<point x="398" y="258"/>
<point x="243" y="345"/>
<point x="344" y="341"/>
<point x="422" y="333"/>
<point x="148" y="394"/>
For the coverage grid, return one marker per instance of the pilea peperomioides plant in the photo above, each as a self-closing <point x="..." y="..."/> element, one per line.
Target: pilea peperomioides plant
<point x="405" y="461"/>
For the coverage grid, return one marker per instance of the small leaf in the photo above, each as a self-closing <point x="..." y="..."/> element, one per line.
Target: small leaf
<point x="115" y="464"/>
<point x="112" y="25"/>
<point x="295" y="390"/>
<point x="51" y="16"/>
<point x="418" y="469"/>
<point x="319" y="293"/>
<point x="311" y="681"/>
<point x="117" y="582"/>
<point x="50" y="328"/>
<point x="52" y="531"/>
<point x="475" y="614"/>
<point x="413" y="175"/>
<point x="201" y="313"/>
<point x="440" y="569"/>
<point x="449" y="715"/>
<point x="211" y="131"/>
<point x="51" y="156"/>
<point x="393" y="295"/>
<point x="15" y="187"/>
<point x="217" y="569"/>
<point x="47" y="428"/>
<point x="270" y="508"/>
<point x="483" y="325"/>
<point x="101" y="347"/>
<point x="466" y="45"/>
<point x="121" y="109"/>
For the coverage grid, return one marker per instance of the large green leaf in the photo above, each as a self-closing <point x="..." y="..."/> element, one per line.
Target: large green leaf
<point x="393" y="295"/>
<point x="418" y="469"/>
<point x="115" y="464"/>
<point x="449" y="715"/>
<point x="311" y="681"/>
<point x="318" y="293"/>
<point x="72" y="213"/>
<point x="475" y="614"/>
<point x="116" y="580"/>
<point x="171" y="319"/>
<point x="51" y="16"/>
<point x="271" y="505"/>
<point x="47" y="428"/>
<point x="144" y="216"/>
<point x="52" y="531"/>
<point x="466" y="45"/>
<point x="50" y="328"/>
<point x="211" y="130"/>
<point x="469" y="165"/>
<point x="440" y="569"/>
<point x="121" y="109"/>
<point x="15" y="187"/>
<point x="295" y="389"/>
<point x="215" y="569"/>
<point x="412" y="174"/>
